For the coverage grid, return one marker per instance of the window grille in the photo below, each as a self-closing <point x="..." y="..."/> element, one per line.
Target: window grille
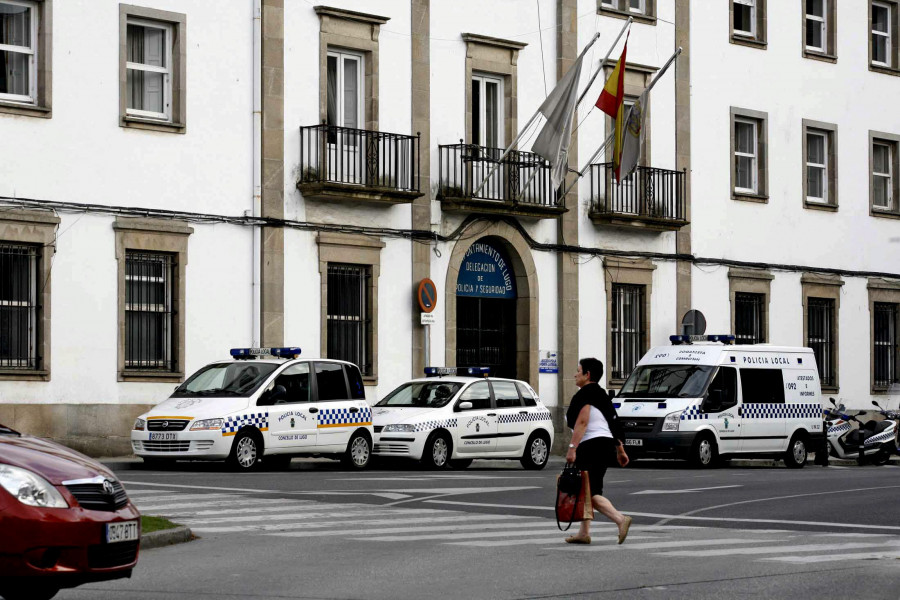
<point x="349" y="323"/>
<point x="149" y="311"/>
<point x="626" y="329"/>
<point x="749" y="318"/>
<point x="820" y="336"/>
<point x="885" y="340"/>
<point x="19" y="307"/>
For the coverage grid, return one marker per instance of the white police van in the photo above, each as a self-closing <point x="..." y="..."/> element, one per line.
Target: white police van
<point x="265" y="405"/>
<point x="703" y="398"/>
<point x="450" y="419"/>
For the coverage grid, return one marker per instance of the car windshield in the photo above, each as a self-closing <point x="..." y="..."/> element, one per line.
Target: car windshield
<point x="4" y="430"/>
<point x="239" y="379"/>
<point x="426" y="394"/>
<point x="667" y="381"/>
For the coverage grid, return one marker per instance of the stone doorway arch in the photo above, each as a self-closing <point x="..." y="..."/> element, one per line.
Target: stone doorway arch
<point x="519" y="252"/>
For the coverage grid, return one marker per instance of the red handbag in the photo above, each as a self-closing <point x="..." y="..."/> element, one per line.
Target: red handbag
<point x="573" y="504"/>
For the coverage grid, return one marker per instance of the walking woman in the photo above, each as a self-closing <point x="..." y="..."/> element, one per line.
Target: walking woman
<point x="595" y="438"/>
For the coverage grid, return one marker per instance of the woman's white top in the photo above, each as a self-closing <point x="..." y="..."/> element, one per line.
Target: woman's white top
<point x="597" y="426"/>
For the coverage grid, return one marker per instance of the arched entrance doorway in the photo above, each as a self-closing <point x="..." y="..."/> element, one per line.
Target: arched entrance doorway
<point x="486" y="309"/>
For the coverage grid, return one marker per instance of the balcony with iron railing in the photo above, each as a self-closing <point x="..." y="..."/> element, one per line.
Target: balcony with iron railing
<point x="520" y="185"/>
<point x="341" y="163"/>
<point x="649" y="198"/>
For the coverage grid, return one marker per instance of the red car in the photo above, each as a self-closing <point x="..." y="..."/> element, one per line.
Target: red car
<point x="65" y="519"/>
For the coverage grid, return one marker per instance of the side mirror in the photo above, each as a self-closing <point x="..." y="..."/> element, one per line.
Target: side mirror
<point x="464" y="406"/>
<point x="832" y="401"/>
<point x="875" y="402"/>
<point x="612" y="394"/>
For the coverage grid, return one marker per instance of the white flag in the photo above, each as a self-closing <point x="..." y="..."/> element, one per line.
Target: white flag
<point x="552" y="142"/>
<point x="633" y="136"/>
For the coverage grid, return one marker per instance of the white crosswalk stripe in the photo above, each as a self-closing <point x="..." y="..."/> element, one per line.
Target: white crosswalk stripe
<point x="225" y="513"/>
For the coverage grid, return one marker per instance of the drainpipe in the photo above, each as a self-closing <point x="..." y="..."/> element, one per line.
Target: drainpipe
<point x="257" y="166"/>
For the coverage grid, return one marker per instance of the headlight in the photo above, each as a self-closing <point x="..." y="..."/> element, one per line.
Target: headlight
<point x="29" y="488"/>
<point x="139" y="424"/>
<point x="670" y="423"/>
<point x="399" y="428"/>
<point x="207" y="424"/>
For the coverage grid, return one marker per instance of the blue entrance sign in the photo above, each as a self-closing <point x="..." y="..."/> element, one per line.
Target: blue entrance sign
<point x="485" y="273"/>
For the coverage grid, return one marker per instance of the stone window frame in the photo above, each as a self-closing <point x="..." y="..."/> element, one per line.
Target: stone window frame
<point x="178" y="23"/>
<point x="153" y="235"/>
<point x="894" y="141"/>
<point x="341" y="29"/>
<point x="497" y="57"/>
<point x="830" y="52"/>
<point x="762" y="150"/>
<point x="627" y="272"/>
<point x="894" y="67"/>
<point x="620" y="9"/>
<point x="880" y="290"/>
<point x="355" y="249"/>
<point x="751" y="281"/>
<point x="21" y="226"/>
<point x="42" y="107"/>
<point x="637" y="78"/>
<point x="761" y="37"/>
<point x="814" y="285"/>
<point x="831" y="139"/>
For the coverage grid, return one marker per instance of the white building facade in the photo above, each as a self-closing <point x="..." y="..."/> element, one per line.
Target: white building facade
<point x="297" y="193"/>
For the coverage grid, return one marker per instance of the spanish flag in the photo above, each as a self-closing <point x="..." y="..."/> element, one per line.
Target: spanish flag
<point x="612" y="102"/>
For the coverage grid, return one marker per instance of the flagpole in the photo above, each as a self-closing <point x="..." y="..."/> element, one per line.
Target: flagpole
<point x="603" y="63"/>
<point x="530" y="121"/>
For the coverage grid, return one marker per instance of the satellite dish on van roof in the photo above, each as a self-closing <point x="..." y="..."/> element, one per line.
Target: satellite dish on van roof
<point x="693" y="323"/>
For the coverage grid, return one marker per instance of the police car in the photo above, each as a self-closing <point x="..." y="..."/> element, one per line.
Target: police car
<point x="265" y="405"/>
<point x="453" y="416"/>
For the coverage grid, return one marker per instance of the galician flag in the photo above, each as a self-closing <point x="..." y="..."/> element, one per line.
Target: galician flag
<point x="612" y="102"/>
<point x="633" y="135"/>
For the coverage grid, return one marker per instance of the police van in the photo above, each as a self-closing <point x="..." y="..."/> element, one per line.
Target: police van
<point x="265" y="405"/>
<point x="455" y="415"/>
<point x="703" y="398"/>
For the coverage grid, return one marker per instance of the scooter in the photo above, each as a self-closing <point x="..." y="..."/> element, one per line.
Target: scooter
<point x="891" y="446"/>
<point x="870" y="440"/>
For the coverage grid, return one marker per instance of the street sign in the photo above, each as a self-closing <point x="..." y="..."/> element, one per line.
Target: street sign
<point x="427" y="318"/>
<point x="426" y="295"/>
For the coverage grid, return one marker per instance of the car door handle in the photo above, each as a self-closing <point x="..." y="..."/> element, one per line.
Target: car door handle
<point x="492" y="414"/>
<point x="313" y="410"/>
<point x="354" y="409"/>
<point x="523" y="412"/>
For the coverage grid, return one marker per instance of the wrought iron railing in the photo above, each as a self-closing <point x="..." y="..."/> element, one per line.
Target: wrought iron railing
<point x="331" y="154"/>
<point x="521" y="178"/>
<point x="648" y="193"/>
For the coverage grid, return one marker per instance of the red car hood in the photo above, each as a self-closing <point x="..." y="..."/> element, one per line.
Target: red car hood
<point x="54" y="462"/>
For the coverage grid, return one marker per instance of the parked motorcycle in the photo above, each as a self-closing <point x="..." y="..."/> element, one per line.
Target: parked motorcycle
<point x="891" y="446"/>
<point x="873" y="440"/>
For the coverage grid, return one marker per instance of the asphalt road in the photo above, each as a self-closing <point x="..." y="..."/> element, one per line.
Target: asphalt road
<point x="318" y="531"/>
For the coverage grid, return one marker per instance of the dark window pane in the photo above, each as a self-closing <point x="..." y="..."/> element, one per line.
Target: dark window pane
<point x="295" y="380"/>
<point x="479" y="394"/>
<point x="885" y="342"/>
<point x="349" y="327"/>
<point x="820" y="336"/>
<point x="626" y="328"/>
<point x="527" y="396"/>
<point x="357" y="390"/>
<point x="762" y="386"/>
<point x="330" y="381"/>
<point x="19" y="309"/>
<point x="149" y="311"/>
<point x="749" y="318"/>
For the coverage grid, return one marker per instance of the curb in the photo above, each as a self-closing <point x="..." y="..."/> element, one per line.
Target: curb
<point x="166" y="537"/>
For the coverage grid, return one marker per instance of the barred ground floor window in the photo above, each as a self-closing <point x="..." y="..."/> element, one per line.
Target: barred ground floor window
<point x="19" y="306"/>
<point x="626" y="325"/>
<point x="820" y="337"/>
<point x="885" y="342"/>
<point x="149" y="311"/>
<point x="349" y="314"/>
<point x="749" y="318"/>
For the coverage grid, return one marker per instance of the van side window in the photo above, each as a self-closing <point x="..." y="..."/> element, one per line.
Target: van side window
<point x="479" y="394"/>
<point x="762" y="386"/>
<point x="357" y="391"/>
<point x="330" y="381"/>
<point x="295" y="380"/>
<point x="724" y="387"/>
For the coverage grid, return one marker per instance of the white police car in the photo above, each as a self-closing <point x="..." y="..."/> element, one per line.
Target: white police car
<point x="450" y="419"/>
<point x="253" y="409"/>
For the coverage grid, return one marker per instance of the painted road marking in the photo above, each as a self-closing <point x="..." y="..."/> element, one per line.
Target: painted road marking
<point x="781" y="549"/>
<point x="687" y="491"/>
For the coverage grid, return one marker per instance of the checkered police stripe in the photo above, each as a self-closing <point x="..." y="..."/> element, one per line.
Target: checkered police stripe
<point x="839" y="428"/>
<point x="782" y="411"/>
<point x="520" y="418"/>
<point x="881" y="437"/>
<point x="336" y="417"/>
<point x="233" y="424"/>
<point x="429" y="425"/>
<point x="693" y="414"/>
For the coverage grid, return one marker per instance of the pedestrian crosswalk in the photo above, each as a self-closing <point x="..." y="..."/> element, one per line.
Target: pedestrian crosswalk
<point x="227" y="513"/>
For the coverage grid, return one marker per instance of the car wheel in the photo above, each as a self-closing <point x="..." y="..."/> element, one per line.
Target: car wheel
<point x="704" y="452"/>
<point x="797" y="453"/>
<point x="359" y="452"/>
<point x="246" y="451"/>
<point x="460" y="463"/>
<point x="537" y="452"/>
<point x="437" y="451"/>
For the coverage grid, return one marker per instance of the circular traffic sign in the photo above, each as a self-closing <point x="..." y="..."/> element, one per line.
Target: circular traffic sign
<point x="426" y="295"/>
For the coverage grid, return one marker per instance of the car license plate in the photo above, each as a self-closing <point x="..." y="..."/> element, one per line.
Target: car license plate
<point x="164" y="436"/>
<point x="125" y="531"/>
<point x="633" y="442"/>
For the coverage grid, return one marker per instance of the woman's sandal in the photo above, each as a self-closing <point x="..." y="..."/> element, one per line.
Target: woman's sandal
<point x="578" y="540"/>
<point x="623" y="533"/>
